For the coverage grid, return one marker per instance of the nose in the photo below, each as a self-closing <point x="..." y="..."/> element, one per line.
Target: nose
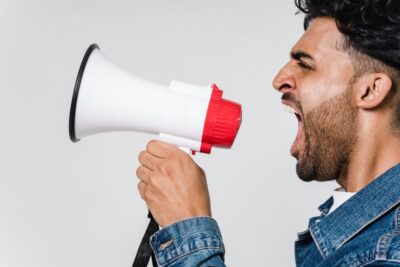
<point x="284" y="81"/>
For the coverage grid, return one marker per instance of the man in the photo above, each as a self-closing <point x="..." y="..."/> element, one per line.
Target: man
<point x="342" y="82"/>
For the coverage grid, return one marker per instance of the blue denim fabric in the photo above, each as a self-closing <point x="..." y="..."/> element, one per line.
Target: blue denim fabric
<point x="363" y="231"/>
<point x="192" y="242"/>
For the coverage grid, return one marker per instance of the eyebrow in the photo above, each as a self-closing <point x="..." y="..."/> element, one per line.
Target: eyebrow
<point x="299" y="55"/>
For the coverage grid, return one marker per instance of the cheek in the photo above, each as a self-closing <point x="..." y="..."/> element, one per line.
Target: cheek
<point x="316" y="94"/>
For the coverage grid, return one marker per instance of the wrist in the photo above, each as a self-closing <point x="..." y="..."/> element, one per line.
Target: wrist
<point x="185" y="237"/>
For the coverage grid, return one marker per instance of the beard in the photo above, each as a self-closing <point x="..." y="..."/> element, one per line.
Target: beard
<point x="330" y="135"/>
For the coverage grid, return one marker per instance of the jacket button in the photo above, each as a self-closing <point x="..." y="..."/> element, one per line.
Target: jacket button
<point x="166" y="244"/>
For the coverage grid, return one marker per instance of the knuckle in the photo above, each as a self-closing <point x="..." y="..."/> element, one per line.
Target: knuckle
<point x="188" y="159"/>
<point x="139" y="186"/>
<point x="174" y="159"/>
<point x="147" y="195"/>
<point x="165" y="168"/>
<point x="202" y="172"/>
<point x="139" y="171"/>
<point x="181" y="162"/>
<point x="181" y="157"/>
<point x="148" y="160"/>
<point x="174" y="155"/>
<point x="151" y="145"/>
<point x="141" y="189"/>
<point x="141" y="156"/>
<point x="150" y="180"/>
<point x="142" y="186"/>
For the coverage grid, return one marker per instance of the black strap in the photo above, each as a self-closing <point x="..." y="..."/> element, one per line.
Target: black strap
<point x="144" y="252"/>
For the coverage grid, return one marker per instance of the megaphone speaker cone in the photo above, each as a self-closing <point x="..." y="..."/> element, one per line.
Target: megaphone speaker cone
<point x="72" y="114"/>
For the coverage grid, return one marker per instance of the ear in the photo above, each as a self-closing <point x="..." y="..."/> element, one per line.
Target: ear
<point x="372" y="90"/>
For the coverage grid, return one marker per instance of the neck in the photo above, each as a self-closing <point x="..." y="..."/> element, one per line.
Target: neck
<point x="376" y="150"/>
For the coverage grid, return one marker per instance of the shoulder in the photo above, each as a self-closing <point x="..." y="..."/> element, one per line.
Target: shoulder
<point x="378" y="244"/>
<point x="388" y="245"/>
<point x="386" y="250"/>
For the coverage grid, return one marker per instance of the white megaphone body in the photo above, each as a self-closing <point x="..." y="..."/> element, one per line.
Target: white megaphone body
<point x="107" y="98"/>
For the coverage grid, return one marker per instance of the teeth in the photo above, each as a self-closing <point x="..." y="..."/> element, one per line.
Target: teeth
<point x="289" y="109"/>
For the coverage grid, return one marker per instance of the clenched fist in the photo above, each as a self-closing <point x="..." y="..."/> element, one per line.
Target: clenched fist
<point x="173" y="186"/>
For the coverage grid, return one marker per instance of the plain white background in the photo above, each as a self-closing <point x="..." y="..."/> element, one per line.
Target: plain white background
<point x="65" y="204"/>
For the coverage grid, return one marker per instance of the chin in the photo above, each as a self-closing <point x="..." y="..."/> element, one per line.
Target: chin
<point x="306" y="169"/>
<point x="305" y="174"/>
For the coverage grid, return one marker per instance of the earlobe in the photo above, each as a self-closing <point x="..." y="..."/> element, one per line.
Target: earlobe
<point x="374" y="89"/>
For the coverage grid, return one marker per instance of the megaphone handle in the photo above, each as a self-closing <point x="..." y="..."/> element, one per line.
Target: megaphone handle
<point x="144" y="252"/>
<point x="184" y="144"/>
<point x="187" y="150"/>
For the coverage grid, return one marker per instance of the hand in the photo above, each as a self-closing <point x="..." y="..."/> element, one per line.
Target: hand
<point x="173" y="186"/>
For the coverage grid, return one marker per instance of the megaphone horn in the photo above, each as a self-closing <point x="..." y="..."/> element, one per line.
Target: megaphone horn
<point x="108" y="98"/>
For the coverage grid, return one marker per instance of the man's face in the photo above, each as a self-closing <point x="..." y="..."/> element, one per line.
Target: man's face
<point x="317" y="84"/>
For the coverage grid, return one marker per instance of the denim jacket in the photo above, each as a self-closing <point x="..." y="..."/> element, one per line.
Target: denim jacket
<point x="363" y="231"/>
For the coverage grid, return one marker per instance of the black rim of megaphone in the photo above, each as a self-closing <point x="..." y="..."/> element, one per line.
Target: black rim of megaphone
<point x="72" y="113"/>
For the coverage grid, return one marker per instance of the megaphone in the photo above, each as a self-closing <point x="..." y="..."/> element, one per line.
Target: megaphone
<point x="108" y="98"/>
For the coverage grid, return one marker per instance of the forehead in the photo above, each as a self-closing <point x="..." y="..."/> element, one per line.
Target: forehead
<point x="321" y="39"/>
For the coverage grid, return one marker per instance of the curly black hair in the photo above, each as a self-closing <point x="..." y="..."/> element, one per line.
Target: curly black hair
<point x="372" y="36"/>
<point x="371" y="27"/>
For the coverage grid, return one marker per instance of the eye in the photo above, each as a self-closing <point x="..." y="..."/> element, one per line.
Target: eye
<point x="304" y="66"/>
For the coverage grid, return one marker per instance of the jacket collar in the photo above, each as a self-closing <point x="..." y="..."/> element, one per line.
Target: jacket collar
<point x="332" y="231"/>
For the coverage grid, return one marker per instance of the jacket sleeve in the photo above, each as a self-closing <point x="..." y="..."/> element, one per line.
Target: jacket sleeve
<point x="383" y="264"/>
<point x="193" y="242"/>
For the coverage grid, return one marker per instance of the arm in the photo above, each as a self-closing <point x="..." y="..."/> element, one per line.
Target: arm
<point x="175" y="190"/>
<point x="192" y="242"/>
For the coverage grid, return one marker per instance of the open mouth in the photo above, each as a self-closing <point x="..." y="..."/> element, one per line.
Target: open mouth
<point x="289" y="107"/>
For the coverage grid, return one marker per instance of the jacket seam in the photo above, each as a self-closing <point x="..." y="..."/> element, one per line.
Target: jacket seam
<point x="190" y="252"/>
<point x="369" y="262"/>
<point x="375" y="260"/>
<point x="384" y="241"/>
<point x="321" y="249"/>
<point x="365" y="225"/>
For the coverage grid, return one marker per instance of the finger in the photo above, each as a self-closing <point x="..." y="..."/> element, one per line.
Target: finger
<point x="202" y="172"/>
<point x="143" y="173"/>
<point x="142" y="189"/>
<point x="148" y="160"/>
<point x="160" y="149"/>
